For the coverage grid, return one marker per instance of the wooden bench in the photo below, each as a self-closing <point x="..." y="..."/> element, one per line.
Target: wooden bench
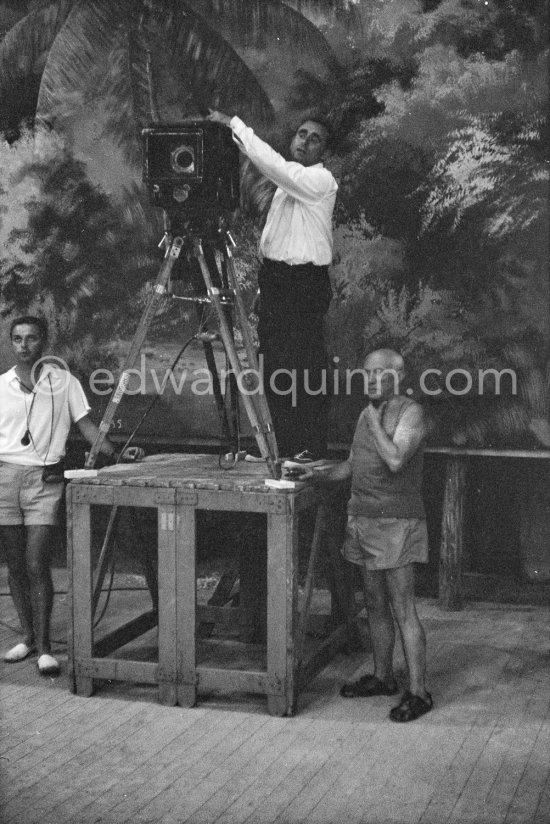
<point x="452" y="525"/>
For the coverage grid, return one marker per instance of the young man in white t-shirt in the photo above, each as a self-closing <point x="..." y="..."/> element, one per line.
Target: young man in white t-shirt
<point x="38" y="403"/>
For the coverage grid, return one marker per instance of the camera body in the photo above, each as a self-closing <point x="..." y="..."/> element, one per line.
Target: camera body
<point x="191" y="168"/>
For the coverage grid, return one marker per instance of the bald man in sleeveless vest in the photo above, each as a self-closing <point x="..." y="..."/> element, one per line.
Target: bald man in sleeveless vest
<point x="386" y="531"/>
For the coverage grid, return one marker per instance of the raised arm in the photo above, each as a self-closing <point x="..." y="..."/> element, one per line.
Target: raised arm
<point x="307" y="183"/>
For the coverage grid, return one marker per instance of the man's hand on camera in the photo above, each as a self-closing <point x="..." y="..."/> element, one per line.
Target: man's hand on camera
<point x="218" y="117"/>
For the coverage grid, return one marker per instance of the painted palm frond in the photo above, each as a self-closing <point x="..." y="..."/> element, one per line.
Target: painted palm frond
<point x="256" y="191"/>
<point x="77" y="57"/>
<point x="190" y="66"/>
<point x="329" y="12"/>
<point x="279" y="44"/>
<point x="113" y="71"/>
<point x="256" y="23"/>
<point x="23" y="54"/>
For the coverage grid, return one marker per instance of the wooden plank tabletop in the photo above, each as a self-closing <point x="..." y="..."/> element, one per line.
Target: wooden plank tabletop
<point x="189" y="471"/>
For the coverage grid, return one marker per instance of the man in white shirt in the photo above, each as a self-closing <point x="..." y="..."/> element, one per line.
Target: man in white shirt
<point x="38" y="403"/>
<point x="295" y="291"/>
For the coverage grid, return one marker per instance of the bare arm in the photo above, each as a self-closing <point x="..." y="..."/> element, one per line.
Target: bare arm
<point x="410" y="431"/>
<point x="89" y="431"/>
<point x="326" y="475"/>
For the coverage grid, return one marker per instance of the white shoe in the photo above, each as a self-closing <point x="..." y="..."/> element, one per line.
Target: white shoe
<point x="47" y="665"/>
<point x="18" y="653"/>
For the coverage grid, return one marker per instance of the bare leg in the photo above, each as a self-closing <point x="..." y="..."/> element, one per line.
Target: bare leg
<point x="13" y="541"/>
<point x="401" y="590"/>
<point x="39" y="546"/>
<point x="381" y="626"/>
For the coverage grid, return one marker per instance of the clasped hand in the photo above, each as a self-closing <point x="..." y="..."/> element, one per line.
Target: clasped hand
<point x="132" y="454"/>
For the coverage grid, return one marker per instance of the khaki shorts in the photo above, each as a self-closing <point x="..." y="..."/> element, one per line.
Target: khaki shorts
<point x="385" y="543"/>
<point x="25" y="498"/>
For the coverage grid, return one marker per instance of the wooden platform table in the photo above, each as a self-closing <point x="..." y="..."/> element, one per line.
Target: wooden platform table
<point x="177" y="486"/>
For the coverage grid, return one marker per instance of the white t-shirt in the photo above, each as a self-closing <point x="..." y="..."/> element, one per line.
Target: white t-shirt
<point x="47" y="413"/>
<point x="298" y="228"/>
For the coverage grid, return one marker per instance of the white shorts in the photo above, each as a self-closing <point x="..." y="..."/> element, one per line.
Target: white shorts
<point x="25" y="498"/>
<point x="385" y="543"/>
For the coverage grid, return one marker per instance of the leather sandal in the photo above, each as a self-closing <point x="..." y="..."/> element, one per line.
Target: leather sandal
<point x="367" y="687"/>
<point x="411" y="707"/>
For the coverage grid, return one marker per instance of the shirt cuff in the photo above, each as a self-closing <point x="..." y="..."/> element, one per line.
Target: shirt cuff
<point x="236" y="123"/>
<point x="237" y="127"/>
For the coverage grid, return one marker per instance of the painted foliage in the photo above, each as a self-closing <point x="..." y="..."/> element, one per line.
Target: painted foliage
<point x="440" y="114"/>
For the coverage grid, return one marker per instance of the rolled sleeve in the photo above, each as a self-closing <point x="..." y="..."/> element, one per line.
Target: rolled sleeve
<point x="78" y="403"/>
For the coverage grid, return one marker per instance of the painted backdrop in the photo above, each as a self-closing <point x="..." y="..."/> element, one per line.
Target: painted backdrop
<point x="440" y="113"/>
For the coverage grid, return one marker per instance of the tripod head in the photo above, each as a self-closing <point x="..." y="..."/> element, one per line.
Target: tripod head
<point x="210" y="228"/>
<point x="198" y="235"/>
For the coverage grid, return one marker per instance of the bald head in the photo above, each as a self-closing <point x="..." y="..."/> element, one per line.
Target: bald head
<point x="385" y="359"/>
<point x="384" y="370"/>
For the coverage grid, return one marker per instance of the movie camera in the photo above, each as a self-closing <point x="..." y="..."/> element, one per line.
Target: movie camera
<point x="191" y="168"/>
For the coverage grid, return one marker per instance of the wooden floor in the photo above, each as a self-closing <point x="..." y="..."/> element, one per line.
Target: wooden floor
<point x="482" y="755"/>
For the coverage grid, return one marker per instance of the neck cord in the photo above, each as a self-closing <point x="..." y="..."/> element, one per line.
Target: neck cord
<point x="28" y="433"/>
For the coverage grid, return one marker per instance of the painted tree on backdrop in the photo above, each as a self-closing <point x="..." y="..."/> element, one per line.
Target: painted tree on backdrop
<point x="66" y="251"/>
<point x="455" y="172"/>
<point x="95" y="73"/>
<point x="443" y="176"/>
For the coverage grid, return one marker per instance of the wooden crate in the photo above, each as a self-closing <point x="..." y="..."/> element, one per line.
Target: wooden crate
<point x="177" y="486"/>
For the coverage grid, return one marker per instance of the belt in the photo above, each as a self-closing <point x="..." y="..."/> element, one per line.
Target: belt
<point x="293" y="267"/>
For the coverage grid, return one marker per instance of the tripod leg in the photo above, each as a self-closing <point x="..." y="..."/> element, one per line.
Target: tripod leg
<point x="255" y="419"/>
<point x="259" y="398"/>
<point x="229" y="423"/>
<point x="229" y="434"/>
<point x="159" y="289"/>
<point x="233" y="387"/>
<point x="105" y="556"/>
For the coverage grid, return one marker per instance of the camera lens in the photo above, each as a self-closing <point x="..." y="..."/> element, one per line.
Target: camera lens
<point x="182" y="160"/>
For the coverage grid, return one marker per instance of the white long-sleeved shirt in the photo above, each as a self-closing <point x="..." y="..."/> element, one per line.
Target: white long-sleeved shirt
<point x="298" y="228"/>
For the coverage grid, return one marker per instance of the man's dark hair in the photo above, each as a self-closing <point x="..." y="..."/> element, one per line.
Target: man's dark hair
<point x="326" y="124"/>
<point x="31" y="320"/>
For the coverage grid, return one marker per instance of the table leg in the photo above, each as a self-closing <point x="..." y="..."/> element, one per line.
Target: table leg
<point x="167" y="667"/>
<point x="81" y="637"/>
<point x="282" y="608"/>
<point x="186" y="589"/>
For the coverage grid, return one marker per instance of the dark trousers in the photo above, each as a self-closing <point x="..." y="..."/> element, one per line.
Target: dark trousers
<point x="293" y="302"/>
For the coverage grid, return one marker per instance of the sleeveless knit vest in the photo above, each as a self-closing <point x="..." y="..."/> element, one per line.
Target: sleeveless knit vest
<point x="376" y="491"/>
